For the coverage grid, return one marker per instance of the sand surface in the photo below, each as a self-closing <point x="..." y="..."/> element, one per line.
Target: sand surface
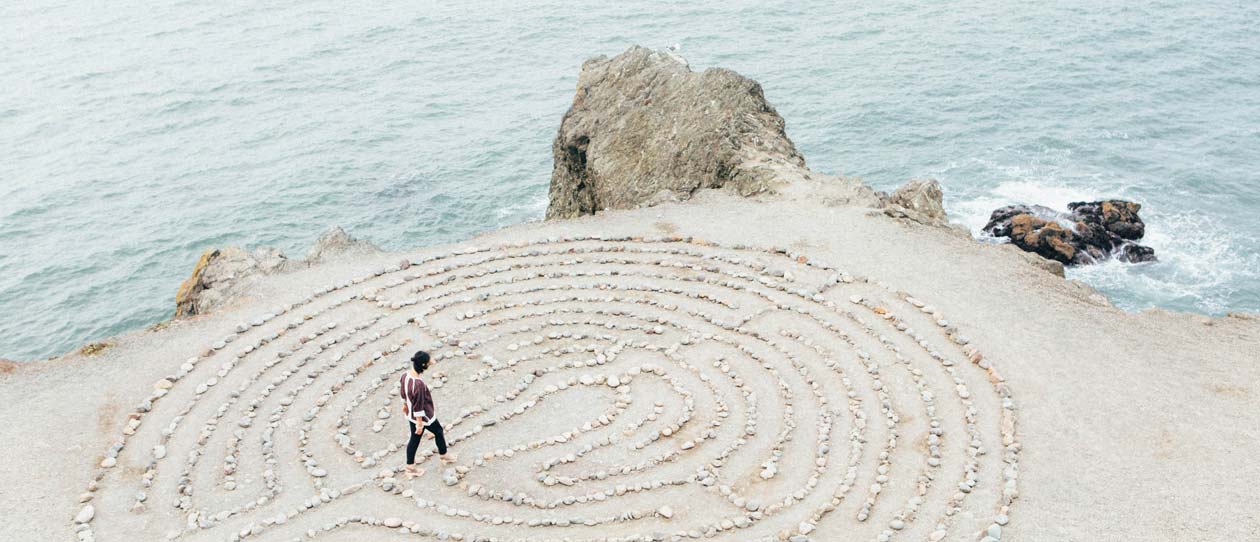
<point x="677" y="378"/>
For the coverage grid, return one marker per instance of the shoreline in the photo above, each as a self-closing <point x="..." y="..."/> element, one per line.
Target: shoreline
<point x="109" y="341"/>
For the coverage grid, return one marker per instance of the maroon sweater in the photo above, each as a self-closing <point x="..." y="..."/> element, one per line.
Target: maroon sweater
<point x="417" y="401"/>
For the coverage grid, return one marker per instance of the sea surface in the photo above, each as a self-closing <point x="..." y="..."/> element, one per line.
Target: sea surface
<point x="136" y="134"/>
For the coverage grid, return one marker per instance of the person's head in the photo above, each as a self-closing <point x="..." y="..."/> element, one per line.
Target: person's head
<point x="420" y="361"/>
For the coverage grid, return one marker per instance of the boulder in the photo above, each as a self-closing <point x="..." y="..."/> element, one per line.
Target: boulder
<point x="336" y="242"/>
<point x="1089" y="232"/>
<point x="644" y="129"/>
<point x="918" y="200"/>
<point x="1117" y="217"/>
<point x="221" y="274"/>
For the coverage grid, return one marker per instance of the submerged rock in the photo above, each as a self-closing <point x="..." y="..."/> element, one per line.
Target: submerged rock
<point x="221" y="274"/>
<point x="645" y="129"/>
<point x="1089" y="232"/>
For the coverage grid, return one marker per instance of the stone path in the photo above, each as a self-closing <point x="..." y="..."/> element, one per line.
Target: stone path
<point x="593" y="389"/>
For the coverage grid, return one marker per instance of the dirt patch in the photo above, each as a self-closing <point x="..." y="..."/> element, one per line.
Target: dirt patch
<point x="1165" y="444"/>
<point x="133" y="472"/>
<point x="92" y="349"/>
<point x="106" y="416"/>
<point x="7" y="366"/>
<point x="666" y="227"/>
<point x="1231" y="390"/>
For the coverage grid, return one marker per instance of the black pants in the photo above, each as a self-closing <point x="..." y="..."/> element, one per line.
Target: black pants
<point x="438" y="435"/>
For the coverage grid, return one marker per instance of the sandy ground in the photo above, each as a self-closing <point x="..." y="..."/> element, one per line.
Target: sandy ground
<point x="755" y="399"/>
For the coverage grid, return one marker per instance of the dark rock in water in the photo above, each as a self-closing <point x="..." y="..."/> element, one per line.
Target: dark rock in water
<point x="1089" y="233"/>
<point x="1116" y="216"/>
<point x="1000" y="221"/>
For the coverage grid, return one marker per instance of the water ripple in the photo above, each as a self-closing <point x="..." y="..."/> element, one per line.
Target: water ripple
<point x="137" y="134"/>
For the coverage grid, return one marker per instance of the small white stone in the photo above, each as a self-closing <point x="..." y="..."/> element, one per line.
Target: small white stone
<point x="85" y="515"/>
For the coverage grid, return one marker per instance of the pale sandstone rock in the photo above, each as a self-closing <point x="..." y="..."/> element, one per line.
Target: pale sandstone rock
<point x="223" y="274"/>
<point x="918" y="200"/>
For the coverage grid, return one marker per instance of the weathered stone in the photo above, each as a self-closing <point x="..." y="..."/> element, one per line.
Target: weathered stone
<point x="1091" y="232"/>
<point x="218" y="276"/>
<point x="222" y="274"/>
<point x="335" y="242"/>
<point x="1116" y="216"/>
<point x="918" y="200"/>
<point x="644" y="128"/>
<point x="85" y="514"/>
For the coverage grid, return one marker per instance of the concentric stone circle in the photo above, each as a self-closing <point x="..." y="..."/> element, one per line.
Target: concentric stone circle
<point x="594" y="388"/>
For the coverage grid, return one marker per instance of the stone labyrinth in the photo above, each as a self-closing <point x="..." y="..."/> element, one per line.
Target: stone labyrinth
<point x="594" y="388"/>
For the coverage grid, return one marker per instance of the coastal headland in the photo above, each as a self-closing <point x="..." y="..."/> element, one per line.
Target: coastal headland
<point x="705" y="340"/>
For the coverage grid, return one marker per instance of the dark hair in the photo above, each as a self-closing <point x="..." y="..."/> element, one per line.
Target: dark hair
<point x="420" y="361"/>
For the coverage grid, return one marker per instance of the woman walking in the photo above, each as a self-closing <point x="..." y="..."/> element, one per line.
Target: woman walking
<point x="421" y="415"/>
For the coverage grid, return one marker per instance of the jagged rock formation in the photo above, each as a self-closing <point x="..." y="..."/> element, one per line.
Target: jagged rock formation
<point x="644" y="129"/>
<point x="336" y="242"/>
<point x="1089" y="233"/>
<point x="918" y="200"/>
<point x="220" y="274"/>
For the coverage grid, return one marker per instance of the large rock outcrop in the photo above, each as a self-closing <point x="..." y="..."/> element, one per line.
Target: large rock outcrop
<point x="645" y="129"/>
<point x="221" y="274"/>
<point x="920" y="200"/>
<point x="1089" y="232"/>
<point x="218" y="274"/>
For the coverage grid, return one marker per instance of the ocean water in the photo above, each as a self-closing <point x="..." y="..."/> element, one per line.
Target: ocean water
<point x="134" y="135"/>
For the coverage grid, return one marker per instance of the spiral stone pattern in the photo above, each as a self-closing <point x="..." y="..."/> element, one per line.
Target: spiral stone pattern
<point x="594" y="389"/>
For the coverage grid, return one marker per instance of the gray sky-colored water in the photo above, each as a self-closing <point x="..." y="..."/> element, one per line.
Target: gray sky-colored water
<point x="134" y="135"/>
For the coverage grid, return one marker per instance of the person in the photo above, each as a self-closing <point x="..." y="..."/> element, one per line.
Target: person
<point x="421" y="414"/>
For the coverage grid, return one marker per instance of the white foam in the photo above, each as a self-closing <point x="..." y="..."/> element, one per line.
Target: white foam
<point x="1201" y="264"/>
<point x="974" y="213"/>
<point x="1202" y="261"/>
<point x="522" y="211"/>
